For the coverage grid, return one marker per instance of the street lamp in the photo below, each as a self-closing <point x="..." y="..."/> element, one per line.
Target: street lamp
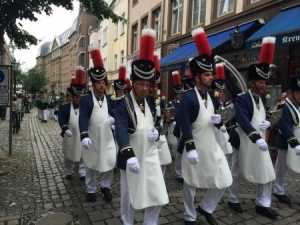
<point x="237" y="40"/>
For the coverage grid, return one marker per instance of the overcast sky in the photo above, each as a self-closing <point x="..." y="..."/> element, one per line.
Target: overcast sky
<point x="45" y="29"/>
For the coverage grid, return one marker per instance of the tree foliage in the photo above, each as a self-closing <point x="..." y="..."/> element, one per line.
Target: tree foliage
<point x="13" y="10"/>
<point x="34" y="80"/>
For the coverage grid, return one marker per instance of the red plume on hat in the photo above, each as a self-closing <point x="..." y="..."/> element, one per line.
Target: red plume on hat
<point x="156" y="62"/>
<point x="147" y="44"/>
<point x="72" y="81"/>
<point x="176" y="78"/>
<point x="79" y="75"/>
<point x="201" y="41"/>
<point x="220" y="71"/>
<point x="96" y="56"/>
<point x="122" y="72"/>
<point x="190" y="71"/>
<point x="128" y="84"/>
<point x="267" y="50"/>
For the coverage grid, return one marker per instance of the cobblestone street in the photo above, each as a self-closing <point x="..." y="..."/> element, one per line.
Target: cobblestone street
<point x="33" y="189"/>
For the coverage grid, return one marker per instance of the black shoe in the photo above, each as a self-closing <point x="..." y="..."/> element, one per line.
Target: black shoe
<point x="69" y="177"/>
<point x="45" y="121"/>
<point x="283" y="199"/>
<point x="236" y="207"/>
<point x="190" y="222"/>
<point x="91" y="197"/>
<point x="180" y="180"/>
<point x="208" y="216"/>
<point x="82" y="178"/>
<point x="107" y="194"/>
<point x="266" y="211"/>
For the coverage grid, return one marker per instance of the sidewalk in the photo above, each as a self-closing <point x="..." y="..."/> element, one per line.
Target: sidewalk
<point x="33" y="189"/>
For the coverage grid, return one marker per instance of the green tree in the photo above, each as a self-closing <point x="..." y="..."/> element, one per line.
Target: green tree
<point x="34" y="80"/>
<point x="12" y="12"/>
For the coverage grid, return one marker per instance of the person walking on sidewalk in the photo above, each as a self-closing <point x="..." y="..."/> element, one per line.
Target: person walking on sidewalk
<point x="142" y="182"/>
<point x="251" y="158"/>
<point x="95" y="121"/>
<point x="204" y="164"/>
<point x="287" y="140"/>
<point x="68" y="121"/>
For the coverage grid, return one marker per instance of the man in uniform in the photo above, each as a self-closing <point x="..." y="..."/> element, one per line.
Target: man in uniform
<point x="68" y="121"/>
<point x="251" y="158"/>
<point x="204" y="164"/>
<point x="95" y="121"/>
<point x="120" y="83"/>
<point x="52" y="105"/>
<point x="287" y="140"/>
<point x="142" y="182"/>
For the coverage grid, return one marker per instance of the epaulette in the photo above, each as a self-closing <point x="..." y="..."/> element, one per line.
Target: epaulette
<point x="240" y="94"/>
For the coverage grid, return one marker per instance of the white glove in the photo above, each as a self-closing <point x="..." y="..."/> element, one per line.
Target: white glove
<point x="113" y="127"/>
<point x="86" y="143"/>
<point x="174" y="123"/>
<point x="193" y="157"/>
<point x="111" y="120"/>
<point x="153" y="135"/>
<point x="223" y="129"/>
<point x="297" y="150"/>
<point x="133" y="165"/>
<point x="68" y="133"/>
<point x="215" y="119"/>
<point x="262" y="144"/>
<point x="264" y="125"/>
<point x="161" y="123"/>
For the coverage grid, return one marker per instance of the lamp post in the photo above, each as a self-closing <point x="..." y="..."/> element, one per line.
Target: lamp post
<point x="15" y="67"/>
<point x="237" y="40"/>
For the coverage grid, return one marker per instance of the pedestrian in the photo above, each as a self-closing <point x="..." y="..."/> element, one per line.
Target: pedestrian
<point x="53" y="103"/>
<point x="68" y="121"/>
<point x="251" y="158"/>
<point x="95" y="121"/>
<point x="287" y="140"/>
<point x="120" y="83"/>
<point x="142" y="182"/>
<point x="204" y="164"/>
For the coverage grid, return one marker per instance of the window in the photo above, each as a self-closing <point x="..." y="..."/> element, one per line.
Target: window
<point x="197" y="12"/>
<point x="105" y="62"/>
<point x="134" y="1"/>
<point x="134" y="38"/>
<point x="104" y="36"/>
<point x="82" y="59"/>
<point x="156" y="23"/>
<point x="82" y="42"/>
<point x="116" y="30"/>
<point x="123" y="24"/>
<point x="116" y="62"/>
<point x="176" y="16"/>
<point x="224" y="7"/>
<point x="145" y="23"/>
<point x="122" y="57"/>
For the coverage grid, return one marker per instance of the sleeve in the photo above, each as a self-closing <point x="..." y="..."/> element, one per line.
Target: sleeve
<point x="63" y="119"/>
<point x="185" y="111"/>
<point x="285" y="125"/>
<point x="121" y="126"/>
<point x="85" y="112"/>
<point x="242" y="118"/>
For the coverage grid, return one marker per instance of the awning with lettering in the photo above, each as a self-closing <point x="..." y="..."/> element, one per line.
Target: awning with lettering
<point x="179" y="58"/>
<point x="284" y="26"/>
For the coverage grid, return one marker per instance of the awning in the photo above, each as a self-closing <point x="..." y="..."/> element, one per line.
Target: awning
<point x="179" y="58"/>
<point x="284" y="26"/>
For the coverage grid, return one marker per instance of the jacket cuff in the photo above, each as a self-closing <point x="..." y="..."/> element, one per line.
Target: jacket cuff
<point x="64" y="128"/>
<point x="84" y="135"/>
<point x="190" y="145"/>
<point x="127" y="152"/>
<point x="293" y="142"/>
<point x="159" y="132"/>
<point x="254" y="136"/>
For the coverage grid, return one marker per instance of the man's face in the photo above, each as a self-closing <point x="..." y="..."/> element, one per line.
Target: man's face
<point x="205" y="79"/>
<point x="76" y="99"/>
<point x="120" y="93"/>
<point x="141" y="88"/>
<point x="260" y="85"/>
<point x="99" y="87"/>
<point x="177" y="96"/>
<point x="69" y="98"/>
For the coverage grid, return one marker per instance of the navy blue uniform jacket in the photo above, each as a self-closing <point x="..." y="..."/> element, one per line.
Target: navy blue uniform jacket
<point x="64" y="116"/>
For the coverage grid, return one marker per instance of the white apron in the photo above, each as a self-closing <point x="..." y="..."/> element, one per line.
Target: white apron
<point x="212" y="170"/>
<point x="72" y="146"/>
<point x="101" y="155"/>
<point x="222" y="140"/>
<point x="292" y="160"/>
<point x="147" y="188"/>
<point x="255" y="165"/>
<point x="163" y="150"/>
<point x="171" y="138"/>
